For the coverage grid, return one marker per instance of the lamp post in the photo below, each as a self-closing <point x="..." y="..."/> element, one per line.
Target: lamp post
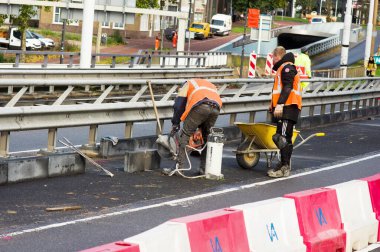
<point x="188" y="27"/>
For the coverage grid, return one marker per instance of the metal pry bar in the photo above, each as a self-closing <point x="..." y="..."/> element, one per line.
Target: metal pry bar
<point x="68" y="144"/>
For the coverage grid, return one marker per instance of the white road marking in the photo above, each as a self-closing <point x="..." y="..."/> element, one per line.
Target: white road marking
<point x="365" y="124"/>
<point x="183" y="200"/>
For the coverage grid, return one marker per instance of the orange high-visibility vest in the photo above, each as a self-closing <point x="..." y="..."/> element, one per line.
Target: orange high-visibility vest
<point x="157" y="44"/>
<point x="175" y="40"/>
<point x="198" y="90"/>
<point x="295" y="96"/>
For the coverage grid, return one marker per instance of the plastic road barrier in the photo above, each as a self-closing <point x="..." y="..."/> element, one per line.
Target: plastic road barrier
<point x="374" y="191"/>
<point x="252" y="65"/>
<point x="319" y="218"/>
<point x="359" y="220"/>
<point x="216" y="231"/>
<point x="167" y="237"/>
<point x="118" y="246"/>
<point x="272" y="225"/>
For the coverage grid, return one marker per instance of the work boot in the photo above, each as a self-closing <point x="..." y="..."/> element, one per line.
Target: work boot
<point x="276" y="168"/>
<point x="284" y="171"/>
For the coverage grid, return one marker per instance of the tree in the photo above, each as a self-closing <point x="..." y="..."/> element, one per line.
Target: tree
<point x="26" y="12"/>
<point x="147" y="4"/>
<point x="263" y="5"/>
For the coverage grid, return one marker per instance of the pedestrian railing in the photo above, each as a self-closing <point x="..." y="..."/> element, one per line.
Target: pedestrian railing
<point x="61" y="109"/>
<point x="148" y="59"/>
<point x="352" y="72"/>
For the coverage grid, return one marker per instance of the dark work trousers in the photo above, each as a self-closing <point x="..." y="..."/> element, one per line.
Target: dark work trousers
<point x="285" y="128"/>
<point x="204" y="117"/>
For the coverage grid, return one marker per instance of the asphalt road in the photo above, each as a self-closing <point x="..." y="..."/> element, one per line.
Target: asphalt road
<point x="113" y="209"/>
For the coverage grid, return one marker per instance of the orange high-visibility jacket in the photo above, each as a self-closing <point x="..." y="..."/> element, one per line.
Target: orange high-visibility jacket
<point x="295" y="96"/>
<point x="198" y="90"/>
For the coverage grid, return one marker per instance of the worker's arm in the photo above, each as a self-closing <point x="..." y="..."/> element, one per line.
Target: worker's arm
<point x="180" y="104"/>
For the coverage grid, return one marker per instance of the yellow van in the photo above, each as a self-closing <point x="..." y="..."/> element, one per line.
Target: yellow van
<point x="201" y="30"/>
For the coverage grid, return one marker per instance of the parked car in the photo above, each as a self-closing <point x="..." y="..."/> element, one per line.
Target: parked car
<point x="201" y="30"/>
<point x="11" y="38"/>
<point x="45" y="42"/>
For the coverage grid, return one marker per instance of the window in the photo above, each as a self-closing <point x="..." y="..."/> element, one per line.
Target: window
<point x="58" y="19"/>
<point x="105" y="24"/>
<point x="57" y="16"/>
<point x="119" y="26"/>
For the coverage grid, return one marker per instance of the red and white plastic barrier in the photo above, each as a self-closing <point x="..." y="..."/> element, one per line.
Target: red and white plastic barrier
<point x="358" y="218"/>
<point x="319" y="219"/>
<point x="341" y="217"/>
<point x="252" y="65"/>
<point x="269" y="65"/>
<point x="374" y="191"/>
<point x="272" y="225"/>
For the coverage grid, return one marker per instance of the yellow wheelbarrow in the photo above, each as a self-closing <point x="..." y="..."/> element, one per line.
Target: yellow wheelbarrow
<point x="258" y="139"/>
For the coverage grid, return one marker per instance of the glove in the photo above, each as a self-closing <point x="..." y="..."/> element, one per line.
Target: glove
<point x="278" y="110"/>
<point x="175" y="129"/>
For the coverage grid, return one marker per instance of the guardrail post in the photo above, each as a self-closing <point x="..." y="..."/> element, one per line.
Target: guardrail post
<point x="131" y="62"/>
<point x="4" y="143"/>
<point x="70" y="65"/>
<point x="128" y="129"/>
<point x="113" y="61"/>
<point x="52" y="140"/>
<point x="176" y="61"/>
<point x="332" y="108"/>
<point x="371" y="101"/>
<point x="163" y="61"/>
<point x="10" y="89"/>
<point x="93" y="61"/>
<point x="252" y="117"/>
<point x="357" y="105"/>
<point x="323" y="109"/>
<point x="31" y="89"/>
<point x="376" y="102"/>
<point x="92" y="135"/>
<point x="188" y="61"/>
<point x="17" y="60"/>
<point x="311" y="111"/>
<point x="350" y="106"/>
<point x="149" y="61"/>
<point x="342" y="107"/>
<point x="364" y="103"/>
<point x="232" y="118"/>
<point x="204" y="60"/>
<point x="44" y="65"/>
<point x="198" y="62"/>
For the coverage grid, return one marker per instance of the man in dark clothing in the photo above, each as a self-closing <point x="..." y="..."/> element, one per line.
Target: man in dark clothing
<point x="286" y="106"/>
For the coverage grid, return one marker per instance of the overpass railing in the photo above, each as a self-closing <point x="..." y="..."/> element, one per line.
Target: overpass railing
<point x="352" y="72"/>
<point x="148" y="59"/>
<point x="327" y="96"/>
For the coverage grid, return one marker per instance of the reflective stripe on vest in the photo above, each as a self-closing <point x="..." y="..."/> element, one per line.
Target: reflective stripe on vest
<point x="208" y="90"/>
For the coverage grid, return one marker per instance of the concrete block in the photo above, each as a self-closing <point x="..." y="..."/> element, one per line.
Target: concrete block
<point x="107" y="149"/>
<point x="3" y="173"/>
<point x="65" y="164"/>
<point x="20" y="169"/>
<point x="141" y="160"/>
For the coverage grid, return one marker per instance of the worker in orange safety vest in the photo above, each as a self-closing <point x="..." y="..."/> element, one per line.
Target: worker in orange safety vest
<point x="286" y="106"/>
<point x="175" y="39"/>
<point x="157" y="43"/>
<point x="197" y="105"/>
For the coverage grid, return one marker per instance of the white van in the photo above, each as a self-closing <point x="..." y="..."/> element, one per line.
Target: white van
<point x="221" y="24"/>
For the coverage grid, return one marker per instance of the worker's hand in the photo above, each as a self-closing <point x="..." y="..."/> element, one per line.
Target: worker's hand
<point x="175" y="129"/>
<point x="278" y="110"/>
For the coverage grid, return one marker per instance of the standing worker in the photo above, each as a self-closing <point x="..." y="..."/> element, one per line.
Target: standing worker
<point x="157" y="42"/>
<point x="175" y="39"/>
<point x="197" y="105"/>
<point x="303" y="60"/>
<point x="286" y="105"/>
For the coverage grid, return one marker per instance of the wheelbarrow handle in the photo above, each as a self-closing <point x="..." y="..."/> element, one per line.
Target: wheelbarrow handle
<point x="319" y="134"/>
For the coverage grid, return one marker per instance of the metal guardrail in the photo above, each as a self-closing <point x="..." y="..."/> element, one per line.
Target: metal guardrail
<point x="352" y="72"/>
<point x="146" y="59"/>
<point x="239" y="96"/>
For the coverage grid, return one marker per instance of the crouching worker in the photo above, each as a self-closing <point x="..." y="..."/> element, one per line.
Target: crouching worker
<point x="197" y="105"/>
<point x="286" y="105"/>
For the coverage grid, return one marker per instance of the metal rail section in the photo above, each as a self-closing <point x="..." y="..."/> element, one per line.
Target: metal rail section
<point x="239" y="96"/>
<point x="198" y="59"/>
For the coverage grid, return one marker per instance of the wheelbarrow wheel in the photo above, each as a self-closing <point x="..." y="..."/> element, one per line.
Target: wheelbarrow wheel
<point x="247" y="160"/>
